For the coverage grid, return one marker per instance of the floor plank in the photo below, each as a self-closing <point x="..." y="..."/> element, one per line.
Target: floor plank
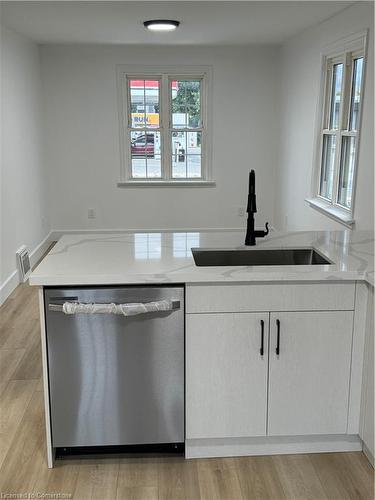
<point x="61" y="480"/>
<point x="218" y="480"/>
<point x="25" y="459"/>
<point x="259" y="479"/>
<point x="97" y="480"/>
<point x="138" y="476"/>
<point x="23" y="468"/>
<point x="30" y="365"/>
<point x="9" y="361"/>
<point x="14" y="399"/>
<point x="345" y="475"/>
<point x="298" y="477"/>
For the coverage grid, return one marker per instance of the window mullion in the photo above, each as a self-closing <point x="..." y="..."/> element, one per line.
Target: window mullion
<point x="165" y="125"/>
<point x="347" y="91"/>
<point x="336" y="170"/>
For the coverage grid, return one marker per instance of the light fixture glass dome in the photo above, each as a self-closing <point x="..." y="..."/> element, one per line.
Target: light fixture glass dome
<point x="161" y="25"/>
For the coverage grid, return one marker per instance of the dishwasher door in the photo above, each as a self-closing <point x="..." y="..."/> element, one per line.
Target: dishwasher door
<point x="115" y="380"/>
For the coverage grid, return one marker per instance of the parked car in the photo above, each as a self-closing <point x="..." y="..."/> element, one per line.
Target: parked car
<point x="143" y="145"/>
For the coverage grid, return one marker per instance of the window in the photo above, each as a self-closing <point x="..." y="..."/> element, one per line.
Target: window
<point x="164" y="123"/>
<point x="338" y="139"/>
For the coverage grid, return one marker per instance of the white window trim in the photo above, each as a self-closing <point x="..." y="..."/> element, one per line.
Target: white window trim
<point x="350" y="44"/>
<point x="163" y="71"/>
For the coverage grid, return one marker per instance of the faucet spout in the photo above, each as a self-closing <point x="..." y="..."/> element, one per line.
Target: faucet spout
<point x="251" y="233"/>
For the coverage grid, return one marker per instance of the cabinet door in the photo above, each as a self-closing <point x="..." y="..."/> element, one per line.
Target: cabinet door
<point x="309" y="379"/>
<point x="226" y="375"/>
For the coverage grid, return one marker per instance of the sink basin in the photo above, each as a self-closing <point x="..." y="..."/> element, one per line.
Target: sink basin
<point x="270" y="257"/>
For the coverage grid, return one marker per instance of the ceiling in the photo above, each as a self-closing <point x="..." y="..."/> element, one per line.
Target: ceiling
<point x="202" y="22"/>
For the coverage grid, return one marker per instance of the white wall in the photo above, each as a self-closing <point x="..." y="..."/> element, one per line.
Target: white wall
<point x="24" y="208"/>
<point x="300" y="83"/>
<point x="82" y="138"/>
<point x="264" y="100"/>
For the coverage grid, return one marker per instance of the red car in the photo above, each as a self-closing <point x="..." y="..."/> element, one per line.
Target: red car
<point x="143" y="145"/>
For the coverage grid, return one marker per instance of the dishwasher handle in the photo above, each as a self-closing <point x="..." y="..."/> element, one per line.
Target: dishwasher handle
<point x="130" y="309"/>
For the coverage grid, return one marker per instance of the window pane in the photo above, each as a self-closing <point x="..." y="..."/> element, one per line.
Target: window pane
<point x="186" y="103"/>
<point x="144" y="103"/>
<point x="193" y="166"/>
<point x="356" y="93"/>
<point x="179" y="155"/>
<point x="328" y="161"/>
<point x="145" y="154"/>
<point x="336" y="95"/>
<point x="194" y="155"/>
<point x="186" y="154"/>
<point x="347" y="171"/>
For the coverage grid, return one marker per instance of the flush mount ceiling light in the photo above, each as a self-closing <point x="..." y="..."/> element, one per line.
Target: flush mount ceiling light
<point x="161" y="25"/>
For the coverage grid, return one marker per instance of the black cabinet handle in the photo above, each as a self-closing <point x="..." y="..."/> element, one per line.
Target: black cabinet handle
<point x="261" y="337"/>
<point x="278" y="337"/>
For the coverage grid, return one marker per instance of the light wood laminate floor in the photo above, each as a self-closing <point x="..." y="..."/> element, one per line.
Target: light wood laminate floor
<point x="23" y="466"/>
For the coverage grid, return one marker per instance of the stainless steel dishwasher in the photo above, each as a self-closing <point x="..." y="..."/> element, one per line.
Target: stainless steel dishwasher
<point x="114" y="379"/>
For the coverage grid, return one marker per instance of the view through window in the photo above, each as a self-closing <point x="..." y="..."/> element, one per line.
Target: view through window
<point x="165" y="135"/>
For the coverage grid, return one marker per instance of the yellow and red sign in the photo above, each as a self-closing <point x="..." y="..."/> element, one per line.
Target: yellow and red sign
<point x="152" y="119"/>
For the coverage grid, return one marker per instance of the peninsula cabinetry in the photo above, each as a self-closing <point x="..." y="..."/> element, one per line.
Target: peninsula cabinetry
<point x="297" y="386"/>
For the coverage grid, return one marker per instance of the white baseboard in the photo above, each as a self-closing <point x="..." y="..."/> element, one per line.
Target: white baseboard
<point x="13" y="280"/>
<point x="237" y="447"/>
<point x="40" y="250"/>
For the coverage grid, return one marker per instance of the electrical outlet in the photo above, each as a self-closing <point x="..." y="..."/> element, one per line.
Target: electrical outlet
<point x="240" y="212"/>
<point x="91" y="214"/>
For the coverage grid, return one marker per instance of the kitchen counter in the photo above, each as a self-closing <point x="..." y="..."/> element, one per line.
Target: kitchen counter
<point x="165" y="257"/>
<point x="221" y="418"/>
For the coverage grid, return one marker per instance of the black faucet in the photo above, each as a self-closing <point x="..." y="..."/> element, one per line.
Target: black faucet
<point x="251" y="233"/>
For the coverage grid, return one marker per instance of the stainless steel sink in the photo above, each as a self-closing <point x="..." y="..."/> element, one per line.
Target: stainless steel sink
<point x="269" y="257"/>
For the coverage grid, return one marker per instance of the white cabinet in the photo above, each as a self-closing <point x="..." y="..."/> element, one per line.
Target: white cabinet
<point x="309" y="378"/>
<point x="308" y="381"/>
<point x="306" y="398"/>
<point x="226" y="375"/>
<point x="234" y="392"/>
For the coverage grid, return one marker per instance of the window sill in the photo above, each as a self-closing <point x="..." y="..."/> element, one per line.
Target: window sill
<point x="335" y="213"/>
<point x="153" y="184"/>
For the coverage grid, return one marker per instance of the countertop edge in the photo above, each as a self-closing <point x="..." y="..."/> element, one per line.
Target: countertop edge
<point x="148" y="280"/>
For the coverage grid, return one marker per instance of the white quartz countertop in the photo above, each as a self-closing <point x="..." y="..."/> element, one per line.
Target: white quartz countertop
<point x="165" y="257"/>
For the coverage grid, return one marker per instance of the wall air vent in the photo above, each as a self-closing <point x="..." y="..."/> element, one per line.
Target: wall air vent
<point x="23" y="261"/>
